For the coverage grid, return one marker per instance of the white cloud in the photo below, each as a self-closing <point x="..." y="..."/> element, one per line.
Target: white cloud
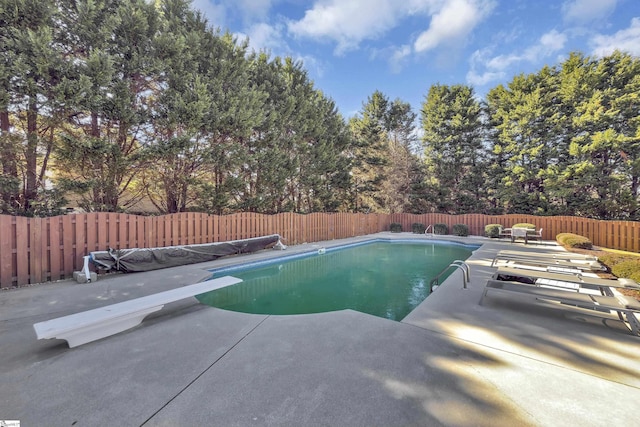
<point x="627" y="40"/>
<point x="585" y="11"/>
<point x="263" y="36"/>
<point x="216" y="13"/>
<point x="478" y="60"/>
<point x="453" y="22"/>
<point x="475" y="79"/>
<point x="249" y="11"/>
<point x="398" y="58"/>
<point x="495" y="67"/>
<point x="552" y="41"/>
<point x="270" y="38"/>
<point x="395" y="56"/>
<point x="346" y="22"/>
<point x="502" y="62"/>
<point x="349" y="22"/>
<point x="311" y="63"/>
<point x="548" y="44"/>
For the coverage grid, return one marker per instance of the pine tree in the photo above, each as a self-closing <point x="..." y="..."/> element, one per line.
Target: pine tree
<point x="402" y="161"/>
<point x="370" y="153"/>
<point x="113" y="47"/>
<point x="605" y="151"/>
<point x="452" y="139"/>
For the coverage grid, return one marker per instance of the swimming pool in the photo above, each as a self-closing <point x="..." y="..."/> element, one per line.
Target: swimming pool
<point x="380" y="277"/>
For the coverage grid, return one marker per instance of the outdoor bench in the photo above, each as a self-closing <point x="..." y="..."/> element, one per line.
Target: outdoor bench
<point x="91" y="325"/>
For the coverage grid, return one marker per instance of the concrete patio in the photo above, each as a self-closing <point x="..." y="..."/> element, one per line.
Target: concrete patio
<point x="450" y="362"/>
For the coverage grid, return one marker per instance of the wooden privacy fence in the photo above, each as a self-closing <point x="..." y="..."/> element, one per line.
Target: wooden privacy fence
<point x="35" y="250"/>
<point x="623" y="235"/>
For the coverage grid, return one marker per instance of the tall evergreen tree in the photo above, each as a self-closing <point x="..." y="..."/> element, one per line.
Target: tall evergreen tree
<point x="451" y="120"/>
<point x="9" y="144"/>
<point x="606" y="149"/>
<point x="117" y="63"/>
<point x="402" y="161"/>
<point x="370" y="153"/>
<point x="179" y="147"/>
<point x="526" y="143"/>
<point x="324" y="178"/>
<point x="236" y="110"/>
<point x="36" y="87"/>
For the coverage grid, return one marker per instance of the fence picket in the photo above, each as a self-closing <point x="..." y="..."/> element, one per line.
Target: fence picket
<point x="35" y="250"/>
<point x="7" y="244"/>
<point x="55" y="265"/>
<point x="80" y="239"/>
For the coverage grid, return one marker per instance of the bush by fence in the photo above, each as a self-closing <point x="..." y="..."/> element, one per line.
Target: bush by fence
<point x="34" y="250"/>
<point x="492" y="230"/>
<point x="460" y="230"/>
<point x="394" y="227"/>
<point x="417" y="228"/>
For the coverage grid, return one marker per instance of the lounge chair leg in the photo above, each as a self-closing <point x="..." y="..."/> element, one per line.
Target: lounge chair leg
<point x="484" y="294"/>
<point x="634" y="323"/>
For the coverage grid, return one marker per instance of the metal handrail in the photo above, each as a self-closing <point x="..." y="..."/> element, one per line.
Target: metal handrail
<point x="427" y="229"/>
<point x="457" y="264"/>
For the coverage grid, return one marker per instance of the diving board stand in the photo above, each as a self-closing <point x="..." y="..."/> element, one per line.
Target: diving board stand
<point x="91" y="325"/>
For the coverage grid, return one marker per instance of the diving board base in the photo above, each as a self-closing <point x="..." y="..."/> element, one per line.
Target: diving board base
<point x="95" y="332"/>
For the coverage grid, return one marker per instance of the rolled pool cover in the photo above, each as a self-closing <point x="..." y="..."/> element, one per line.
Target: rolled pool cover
<point x="147" y="259"/>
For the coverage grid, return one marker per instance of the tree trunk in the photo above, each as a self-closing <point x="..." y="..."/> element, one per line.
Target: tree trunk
<point x="95" y="129"/>
<point x="31" y="156"/>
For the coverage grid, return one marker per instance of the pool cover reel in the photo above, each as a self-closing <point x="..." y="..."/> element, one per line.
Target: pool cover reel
<point x="147" y="259"/>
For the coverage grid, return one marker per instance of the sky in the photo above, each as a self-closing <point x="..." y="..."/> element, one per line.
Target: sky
<point x="352" y="48"/>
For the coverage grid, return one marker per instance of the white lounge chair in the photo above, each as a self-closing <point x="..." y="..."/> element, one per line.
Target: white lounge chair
<point x="535" y="259"/>
<point x="555" y="255"/>
<point x="531" y="276"/>
<point x="626" y="308"/>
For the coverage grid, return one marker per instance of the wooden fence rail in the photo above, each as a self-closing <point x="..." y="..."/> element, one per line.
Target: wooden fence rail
<point x="35" y="250"/>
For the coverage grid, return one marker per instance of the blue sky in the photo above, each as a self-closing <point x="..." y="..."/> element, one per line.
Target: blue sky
<point x="401" y="47"/>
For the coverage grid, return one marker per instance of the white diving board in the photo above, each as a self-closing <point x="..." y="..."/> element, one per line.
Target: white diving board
<point x="91" y="325"/>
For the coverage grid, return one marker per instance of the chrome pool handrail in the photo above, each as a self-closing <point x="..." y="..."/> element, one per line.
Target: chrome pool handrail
<point x="458" y="264"/>
<point x="427" y="229"/>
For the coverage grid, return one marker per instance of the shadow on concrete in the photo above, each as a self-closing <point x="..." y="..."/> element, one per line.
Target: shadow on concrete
<point x="344" y="368"/>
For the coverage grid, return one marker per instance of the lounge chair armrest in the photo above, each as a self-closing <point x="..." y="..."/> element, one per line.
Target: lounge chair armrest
<point x="629" y="303"/>
<point x="628" y="283"/>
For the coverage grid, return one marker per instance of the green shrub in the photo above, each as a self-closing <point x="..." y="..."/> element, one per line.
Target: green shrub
<point x="417" y="228"/>
<point x="440" y="229"/>
<point x="395" y="227"/>
<point x="524" y="225"/>
<point x="629" y="269"/>
<point x="492" y="230"/>
<point x="624" y="266"/>
<point x="612" y="259"/>
<point x="571" y="240"/>
<point x="460" y="230"/>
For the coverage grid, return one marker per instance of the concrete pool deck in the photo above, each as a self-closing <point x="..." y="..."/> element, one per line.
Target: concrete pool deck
<point x="450" y="362"/>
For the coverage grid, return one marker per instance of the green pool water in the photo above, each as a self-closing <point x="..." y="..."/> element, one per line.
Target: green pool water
<point x="385" y="279"/>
